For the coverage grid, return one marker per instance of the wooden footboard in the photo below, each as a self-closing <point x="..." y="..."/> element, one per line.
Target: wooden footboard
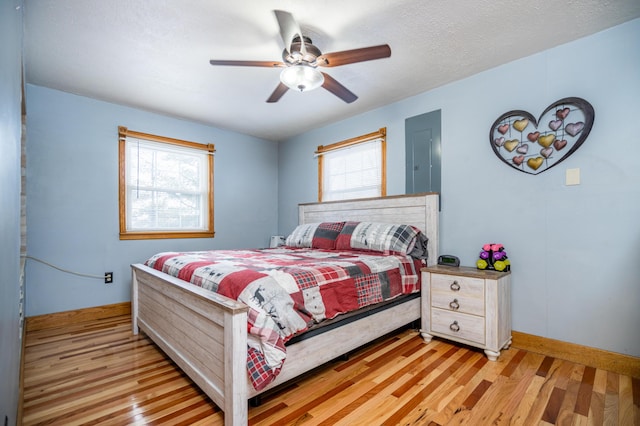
<point x="205" y="334"/>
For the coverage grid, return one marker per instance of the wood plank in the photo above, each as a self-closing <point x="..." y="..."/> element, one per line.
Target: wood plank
<point x="635" y="383"/>
<point x="468" y="382"/>
<point x="584" y="394"/>
<point x="611" y="399"/>
<point x="545" y="366"/>
<point x="559" y="372"/>
<point x="448" y="384"/>
<point x="553" y="406"/>
<point x="500" y="401"/>
<point x="596" y="408"/>
<point x="625" y="408"/>
<point x="566" y="413"/>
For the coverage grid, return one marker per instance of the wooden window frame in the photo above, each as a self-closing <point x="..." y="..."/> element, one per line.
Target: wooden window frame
<point x="123" y="134"/>
<point x="380" y="134"/>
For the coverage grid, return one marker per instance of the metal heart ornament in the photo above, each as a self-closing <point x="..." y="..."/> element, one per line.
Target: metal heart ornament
<point x="531" y="146"/>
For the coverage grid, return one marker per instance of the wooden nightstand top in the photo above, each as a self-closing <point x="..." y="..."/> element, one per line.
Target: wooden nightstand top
<point x="465" y="271"/>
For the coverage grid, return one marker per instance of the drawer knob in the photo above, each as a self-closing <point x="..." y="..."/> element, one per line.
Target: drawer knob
<point x="454" y="327"/>
<point x="454" y="305"/>
<point x="455" y="286"/>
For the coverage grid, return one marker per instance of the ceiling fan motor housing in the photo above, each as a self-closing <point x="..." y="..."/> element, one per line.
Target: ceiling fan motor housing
<point x="295" y="55"/>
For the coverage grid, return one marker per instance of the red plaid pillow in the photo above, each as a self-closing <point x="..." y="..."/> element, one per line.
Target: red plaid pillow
<point x="315" y="235"/>
<point x="326" y="234"/>
<point x="343" y="242"/>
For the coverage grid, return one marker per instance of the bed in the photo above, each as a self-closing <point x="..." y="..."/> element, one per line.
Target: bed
<point x="206" y="335"/>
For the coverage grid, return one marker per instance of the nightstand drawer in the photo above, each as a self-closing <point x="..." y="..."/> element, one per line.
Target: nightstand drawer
<point x="456" y="285"/>
<point x="456" y="293"/>
<point x="458" y="325"/>
<point x="458" y="302"/>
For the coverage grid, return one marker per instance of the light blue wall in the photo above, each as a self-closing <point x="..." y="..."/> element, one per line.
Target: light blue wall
<point x="561" y="239"/>
<point x="10" y="133"/>
<point x="574" y="249"/>
<point x="72" y="208"/>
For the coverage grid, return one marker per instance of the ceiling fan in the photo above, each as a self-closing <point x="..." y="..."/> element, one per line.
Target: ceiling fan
<point x="301" y="59"/>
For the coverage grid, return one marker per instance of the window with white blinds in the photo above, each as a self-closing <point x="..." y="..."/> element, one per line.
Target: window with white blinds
<point x="166" y="187"/>
<point x="354" y="168"/>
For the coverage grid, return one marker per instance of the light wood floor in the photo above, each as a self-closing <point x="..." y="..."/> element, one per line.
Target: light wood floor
<point x="99" y="373"/>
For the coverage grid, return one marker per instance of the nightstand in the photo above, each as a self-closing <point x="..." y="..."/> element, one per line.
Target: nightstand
<point x="467" y="305"/>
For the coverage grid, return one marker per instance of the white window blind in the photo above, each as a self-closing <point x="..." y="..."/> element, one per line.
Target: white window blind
<point x="353" y="168"/>
<point x="353" y="172"/>
<point x="167" y="187"/>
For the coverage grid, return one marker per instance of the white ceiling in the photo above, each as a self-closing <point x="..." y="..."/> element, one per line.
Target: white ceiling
<point x="154" y="55"/>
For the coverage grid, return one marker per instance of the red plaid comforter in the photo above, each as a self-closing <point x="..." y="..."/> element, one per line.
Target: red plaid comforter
<point x="289" y="289"/>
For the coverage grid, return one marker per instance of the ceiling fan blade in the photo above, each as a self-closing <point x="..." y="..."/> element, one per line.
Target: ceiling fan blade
<point x="268" y="64"/>
<point x="332" y="85"/>
<point x="289" y="29"/>
<point x="277" y="94"/>
<point x="356" y="55"/>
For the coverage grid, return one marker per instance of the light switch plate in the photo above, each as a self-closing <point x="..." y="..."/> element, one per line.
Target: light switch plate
<point x="572" y="177"/>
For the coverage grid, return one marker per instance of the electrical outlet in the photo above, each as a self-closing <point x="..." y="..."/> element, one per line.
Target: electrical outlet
<point x="108" y="277"/>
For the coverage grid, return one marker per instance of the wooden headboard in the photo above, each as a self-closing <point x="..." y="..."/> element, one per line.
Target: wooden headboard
<point x="419" y="210"/>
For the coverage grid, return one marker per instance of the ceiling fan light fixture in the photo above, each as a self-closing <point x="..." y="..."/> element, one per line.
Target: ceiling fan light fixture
<point x="301" y="77"/>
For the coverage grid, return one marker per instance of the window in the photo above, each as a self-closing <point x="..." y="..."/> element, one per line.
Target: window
<point x="166" y="187"/>
<point x="354" y="168"/>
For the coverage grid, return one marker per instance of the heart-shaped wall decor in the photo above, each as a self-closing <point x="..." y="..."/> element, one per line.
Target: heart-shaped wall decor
<point x="531" y="146"/>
